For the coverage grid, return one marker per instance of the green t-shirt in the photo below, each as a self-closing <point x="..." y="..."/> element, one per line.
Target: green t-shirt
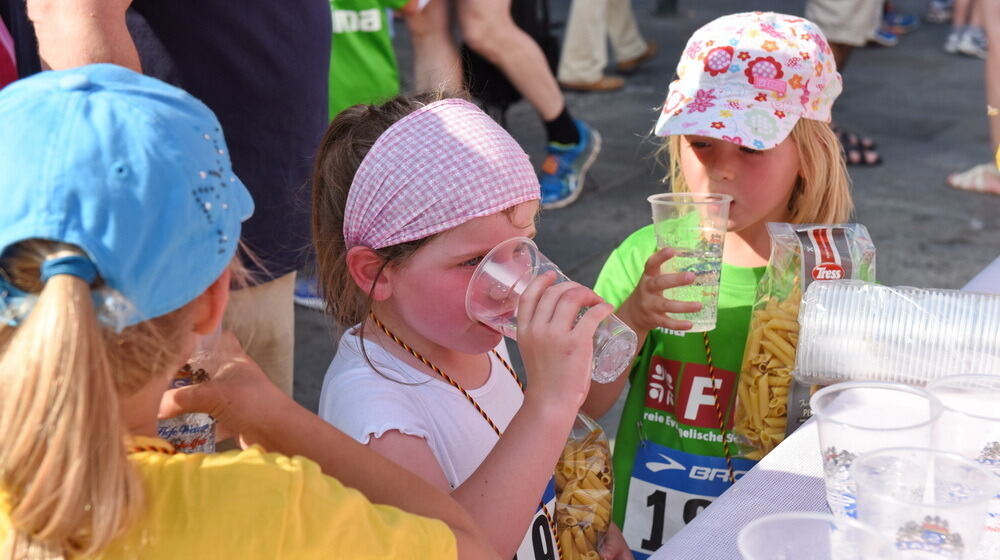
<point x="669" y="428"/>
<point x="362" y="62"/>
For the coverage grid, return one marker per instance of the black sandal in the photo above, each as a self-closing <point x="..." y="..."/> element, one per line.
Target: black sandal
<point x="858" y="150"/>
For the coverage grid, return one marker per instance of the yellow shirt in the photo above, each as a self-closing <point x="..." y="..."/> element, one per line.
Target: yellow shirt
<point x="252" y="504"/>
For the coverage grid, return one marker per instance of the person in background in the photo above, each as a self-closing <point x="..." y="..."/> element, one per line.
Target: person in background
<point x="488" y="29"/>
<point x="264" y="73"/>
<point x="985" y="178"/>
<point x="967" y="35"/>
<point x="766" y="142"/>
<point x="363" y="69"/>
<point x="584" y="55"/>
<point x="118" y="237"/>
<point x="848" y="24"/>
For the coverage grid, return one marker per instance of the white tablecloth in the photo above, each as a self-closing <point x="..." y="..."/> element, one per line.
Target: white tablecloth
<point x="790" y="478"/>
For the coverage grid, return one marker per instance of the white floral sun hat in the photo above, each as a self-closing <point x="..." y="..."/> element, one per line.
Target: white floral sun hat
<point x="748" y="78"/>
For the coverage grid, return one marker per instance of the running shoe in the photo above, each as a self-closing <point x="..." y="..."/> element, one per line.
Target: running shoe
<point x="565" y="168"/>
<point x="307" y="293"/>
<point x="885" y="38"/>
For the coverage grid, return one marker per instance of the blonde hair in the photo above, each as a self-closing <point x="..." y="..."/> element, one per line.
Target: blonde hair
<point x="823" y="192"/>
<point x="63" y="463"/>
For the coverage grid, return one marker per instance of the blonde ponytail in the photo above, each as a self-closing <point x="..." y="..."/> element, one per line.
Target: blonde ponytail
<point x="62" y="460"/>
<point x="63" y="463"/>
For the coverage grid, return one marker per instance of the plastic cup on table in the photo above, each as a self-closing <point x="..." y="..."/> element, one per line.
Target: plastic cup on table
<point x="970" y="426"/>
<point x="803" y="535"/>
<point x="858" y="417"/>
<point x="694" y="225"/>
<point x="931" y="503"/>
<point x="501" y="278"/>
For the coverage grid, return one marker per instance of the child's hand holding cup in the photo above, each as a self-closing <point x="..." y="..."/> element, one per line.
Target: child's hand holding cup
<point x="694" y="225"/>
<point x="501" y="278"/>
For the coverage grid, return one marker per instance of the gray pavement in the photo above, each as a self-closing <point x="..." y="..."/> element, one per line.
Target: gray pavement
<point x="925" y="108"/>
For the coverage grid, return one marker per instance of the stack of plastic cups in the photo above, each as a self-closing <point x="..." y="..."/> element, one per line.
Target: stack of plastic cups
<point x="853" y="330"/>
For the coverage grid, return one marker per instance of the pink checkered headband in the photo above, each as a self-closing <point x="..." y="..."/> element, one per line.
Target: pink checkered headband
<point x="436" y="168"/>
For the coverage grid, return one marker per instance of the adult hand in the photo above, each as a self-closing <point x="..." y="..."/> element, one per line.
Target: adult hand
<point x="75" y="33"/>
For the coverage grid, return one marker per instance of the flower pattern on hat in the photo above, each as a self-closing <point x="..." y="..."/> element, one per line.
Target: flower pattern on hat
<point x="748" y="78"/>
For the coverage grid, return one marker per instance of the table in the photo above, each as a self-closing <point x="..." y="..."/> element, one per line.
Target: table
<point x="987" y="281"/>
<point x="790" y="478"/>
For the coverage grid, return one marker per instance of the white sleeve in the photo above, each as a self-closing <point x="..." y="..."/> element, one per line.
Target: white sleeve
<point x="362" y="403"/>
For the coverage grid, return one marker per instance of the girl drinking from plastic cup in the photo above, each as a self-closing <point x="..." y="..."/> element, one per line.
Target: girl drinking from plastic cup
<point x="407" y="199"/>
<point x="747" y="117"/>
<point x="120" y="222"/>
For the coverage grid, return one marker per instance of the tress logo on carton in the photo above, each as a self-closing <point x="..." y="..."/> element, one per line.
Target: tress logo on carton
<point x="822" y="253"/>
<point x="825" y="271"/>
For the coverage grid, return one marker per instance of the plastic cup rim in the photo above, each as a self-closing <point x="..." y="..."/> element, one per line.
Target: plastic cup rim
<point x="954" y="410"/>
<point x="704" y="199"/>
<point x="985" y="497"/>
<point x="936" y="406"/>
<point x="479" y="270"/>
<point x="811" y="516"/>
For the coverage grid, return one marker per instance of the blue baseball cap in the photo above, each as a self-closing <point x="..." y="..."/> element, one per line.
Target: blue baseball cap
<point x="133" y="171"/>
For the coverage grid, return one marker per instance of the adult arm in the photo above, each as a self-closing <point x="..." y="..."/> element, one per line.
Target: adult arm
<point x="78" y="32"/>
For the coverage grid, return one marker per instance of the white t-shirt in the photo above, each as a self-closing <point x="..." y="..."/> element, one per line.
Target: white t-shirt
<point x="362" y="404"/>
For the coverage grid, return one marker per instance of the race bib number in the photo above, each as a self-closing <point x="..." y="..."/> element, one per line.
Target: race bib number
<point x="668" y="488"/>
<point x="540" y="542"/>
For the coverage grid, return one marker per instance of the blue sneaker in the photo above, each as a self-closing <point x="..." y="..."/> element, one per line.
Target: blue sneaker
<point x="566" y="167"/>
<point x="885" y="38"/>
<point x="307" y="293"/>
<point x="900" y="23"/>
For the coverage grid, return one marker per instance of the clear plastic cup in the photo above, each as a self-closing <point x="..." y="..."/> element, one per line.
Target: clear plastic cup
<point x="858" y="417"/>
<point x="970" y="426"/>
<point x="694" y="225"/>
<point x="501" y="278"/>
<point x="931" y="503"/>
<point x="801" y="535"/>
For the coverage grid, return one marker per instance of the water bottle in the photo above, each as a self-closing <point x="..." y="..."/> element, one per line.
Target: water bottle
<point x="193" y="432"/>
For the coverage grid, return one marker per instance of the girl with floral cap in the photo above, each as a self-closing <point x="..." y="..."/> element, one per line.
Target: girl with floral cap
<point x="748" y="117"/>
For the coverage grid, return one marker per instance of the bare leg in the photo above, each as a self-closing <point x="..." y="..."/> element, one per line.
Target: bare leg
<point x="841" y="53"/>
<point x="961" y="12"/>
<point x="436" y="63"/>
<point x="990" y="10"/>
<point x="489" y="30"/>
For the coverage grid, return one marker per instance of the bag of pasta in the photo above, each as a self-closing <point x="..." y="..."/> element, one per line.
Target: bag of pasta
<point x="583" y="491"/>
<point x="767" y="396"/>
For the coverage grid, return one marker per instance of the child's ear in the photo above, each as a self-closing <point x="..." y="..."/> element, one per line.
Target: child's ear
<point x="366" y="268"/>
<point x="212" y="305"/>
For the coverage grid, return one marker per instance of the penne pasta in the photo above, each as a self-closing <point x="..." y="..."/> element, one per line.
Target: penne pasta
<point x="583" y="490"/>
